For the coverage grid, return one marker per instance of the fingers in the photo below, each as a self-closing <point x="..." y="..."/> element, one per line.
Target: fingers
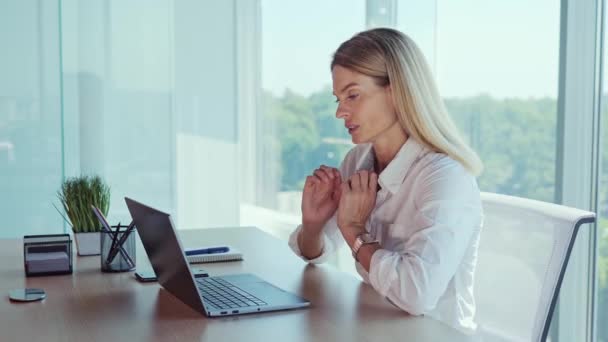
<point x="332" y="171"/>
<point x="373" y="182"/>
<point x="363" y="180"/>
<point x="355" y="182"/>
<point x="326" y="174"/>
<point x="345" y="187"/>
<point x="322" y="176"/>
<point x="337" y="193"/>
<point x="310" y="182"/>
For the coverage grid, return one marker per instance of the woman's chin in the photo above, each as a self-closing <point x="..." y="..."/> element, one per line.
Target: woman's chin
<point x="357" y="140"/>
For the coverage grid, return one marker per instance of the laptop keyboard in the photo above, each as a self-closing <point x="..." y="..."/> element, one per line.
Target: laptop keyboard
<point x="220" y="294"/>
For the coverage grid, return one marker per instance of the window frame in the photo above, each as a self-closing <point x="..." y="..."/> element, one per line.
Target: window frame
<point x="577" y="160"/>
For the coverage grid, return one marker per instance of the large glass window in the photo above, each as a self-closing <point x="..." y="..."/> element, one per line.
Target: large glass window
<point x="298" y="40"/>
<point x="499" y="83"/>
<point x="31" y="165"/>
<point x="143" y="95"/>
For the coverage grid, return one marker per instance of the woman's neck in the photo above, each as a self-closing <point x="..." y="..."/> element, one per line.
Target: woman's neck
<point x="387" y="145"/>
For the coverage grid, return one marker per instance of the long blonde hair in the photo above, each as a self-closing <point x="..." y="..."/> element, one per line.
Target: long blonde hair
<point x="392" y="58"/>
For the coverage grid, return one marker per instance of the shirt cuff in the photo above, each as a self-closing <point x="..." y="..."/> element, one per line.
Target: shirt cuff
<point x="380" y="270"/>
<point x="293" y="244"/>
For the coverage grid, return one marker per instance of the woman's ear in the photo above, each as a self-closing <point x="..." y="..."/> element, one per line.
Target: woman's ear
<point x="389" y="95"/>
<point x="389" y="91"/>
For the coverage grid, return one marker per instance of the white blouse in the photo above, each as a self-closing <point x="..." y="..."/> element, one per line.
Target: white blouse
<point x="427" y="218"/>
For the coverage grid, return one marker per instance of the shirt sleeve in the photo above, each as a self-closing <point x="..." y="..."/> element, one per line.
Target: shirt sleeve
<point x="448" y="214"/>
<point x="331" y="233"/>
<point x="331" y="239"/>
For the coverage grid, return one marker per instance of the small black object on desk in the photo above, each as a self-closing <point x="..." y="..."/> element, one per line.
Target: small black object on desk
<point x="47" y="254"/>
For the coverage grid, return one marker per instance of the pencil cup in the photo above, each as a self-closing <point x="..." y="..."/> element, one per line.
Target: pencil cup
<point x="118" y="250"/>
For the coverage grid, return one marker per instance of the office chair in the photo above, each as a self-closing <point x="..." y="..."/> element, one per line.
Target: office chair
<point x="523" y="253"/>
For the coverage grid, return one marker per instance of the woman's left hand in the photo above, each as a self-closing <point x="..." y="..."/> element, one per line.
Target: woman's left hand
<point x="358" y="198"/>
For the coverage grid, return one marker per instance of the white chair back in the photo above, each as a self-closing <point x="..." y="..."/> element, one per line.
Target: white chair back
<point x="523" y="253"/>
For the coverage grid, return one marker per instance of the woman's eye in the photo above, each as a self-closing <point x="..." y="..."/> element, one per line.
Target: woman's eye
<point x="352" y="97"/>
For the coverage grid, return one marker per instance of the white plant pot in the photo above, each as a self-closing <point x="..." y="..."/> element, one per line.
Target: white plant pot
<point x="88" y="243"/>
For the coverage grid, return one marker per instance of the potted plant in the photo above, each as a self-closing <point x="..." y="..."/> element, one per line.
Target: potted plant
<point x="77" y="195"/>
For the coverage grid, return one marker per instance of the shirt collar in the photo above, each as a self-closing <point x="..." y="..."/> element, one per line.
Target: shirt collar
<point x="393" y="175"/>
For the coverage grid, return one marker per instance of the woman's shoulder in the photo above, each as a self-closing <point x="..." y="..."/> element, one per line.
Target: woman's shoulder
<point x="438" y="168"/>
<point x="435" y="163"/>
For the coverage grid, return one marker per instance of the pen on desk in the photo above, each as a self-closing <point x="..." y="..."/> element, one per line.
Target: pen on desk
<point x="210" y="250"/>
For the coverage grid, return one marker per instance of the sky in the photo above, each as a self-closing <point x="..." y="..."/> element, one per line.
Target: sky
<point x="501" y="48"/>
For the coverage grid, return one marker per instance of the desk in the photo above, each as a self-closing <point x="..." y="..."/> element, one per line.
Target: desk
<point x="93" y="306"/>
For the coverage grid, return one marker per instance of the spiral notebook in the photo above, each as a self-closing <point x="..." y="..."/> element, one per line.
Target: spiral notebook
<point x="232" y="254"/>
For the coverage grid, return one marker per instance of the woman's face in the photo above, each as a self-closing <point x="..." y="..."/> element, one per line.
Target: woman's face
<point x="367" y="108"/>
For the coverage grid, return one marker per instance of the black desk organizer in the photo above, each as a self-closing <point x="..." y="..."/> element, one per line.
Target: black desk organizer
<point x="36" y="249"/>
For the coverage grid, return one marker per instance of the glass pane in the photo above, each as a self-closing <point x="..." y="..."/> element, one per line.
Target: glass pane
<point x="298" y="105"/>
<point x="480" y="73"/>
<point x="153" y="109"/>
<point x="30" y="118"/>
<point x="602" y="209"/>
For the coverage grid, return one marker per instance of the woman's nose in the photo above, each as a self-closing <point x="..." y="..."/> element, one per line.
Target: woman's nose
<point x="341" y="113"/>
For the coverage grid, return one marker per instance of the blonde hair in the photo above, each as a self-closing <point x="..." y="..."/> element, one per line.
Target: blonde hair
<point x="392" y="58"/>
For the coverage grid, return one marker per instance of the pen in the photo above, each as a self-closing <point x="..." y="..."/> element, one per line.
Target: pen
<point x="210" y="250"/>
<point x="114" y="240"/>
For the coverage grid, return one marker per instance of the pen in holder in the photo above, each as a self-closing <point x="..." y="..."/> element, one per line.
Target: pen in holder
<point x="118" y="249"/>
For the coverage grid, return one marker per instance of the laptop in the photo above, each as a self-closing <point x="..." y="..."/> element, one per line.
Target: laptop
<point x="227" y="295"/>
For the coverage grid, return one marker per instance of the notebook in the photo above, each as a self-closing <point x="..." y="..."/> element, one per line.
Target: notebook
<point x="232" y="255"/>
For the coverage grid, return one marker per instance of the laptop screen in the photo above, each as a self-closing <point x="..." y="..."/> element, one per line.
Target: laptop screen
<point x="165" y="253"/>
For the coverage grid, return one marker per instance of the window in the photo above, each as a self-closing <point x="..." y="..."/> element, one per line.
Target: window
<point x="297" y="94"/>
<point x="480" y="75"/>
<point x="31" y="166"/>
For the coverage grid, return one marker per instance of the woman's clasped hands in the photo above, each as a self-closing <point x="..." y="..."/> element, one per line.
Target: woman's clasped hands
<point x="325" y="193"/>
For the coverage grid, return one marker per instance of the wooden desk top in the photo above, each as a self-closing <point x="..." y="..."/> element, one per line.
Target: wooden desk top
<point x="89" y="305"/>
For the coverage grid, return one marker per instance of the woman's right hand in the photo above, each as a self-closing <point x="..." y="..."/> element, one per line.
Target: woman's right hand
<point x="320" y="198"/>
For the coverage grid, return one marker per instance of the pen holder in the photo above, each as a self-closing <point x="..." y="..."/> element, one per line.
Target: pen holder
<point x="118" y="250"/>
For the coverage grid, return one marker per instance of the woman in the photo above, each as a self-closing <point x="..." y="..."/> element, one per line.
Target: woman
<point x="405" y="198"/>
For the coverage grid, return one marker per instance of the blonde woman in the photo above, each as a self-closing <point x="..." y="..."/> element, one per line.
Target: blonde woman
<point x="405" y="198"/>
